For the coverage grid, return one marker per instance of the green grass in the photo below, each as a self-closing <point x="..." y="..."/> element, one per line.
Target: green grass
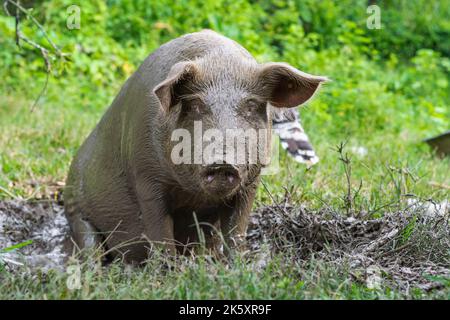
<point x="202" y="278"/>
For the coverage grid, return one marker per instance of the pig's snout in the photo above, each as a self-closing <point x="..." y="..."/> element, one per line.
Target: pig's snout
<point x="220" y="179"/>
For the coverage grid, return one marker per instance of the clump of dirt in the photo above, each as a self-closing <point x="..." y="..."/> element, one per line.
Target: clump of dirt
<point x="42" y="222"/>
<point x="408" y="248"/>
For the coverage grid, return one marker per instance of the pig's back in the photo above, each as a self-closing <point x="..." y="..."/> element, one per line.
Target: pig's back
<point x="192" y="46"/>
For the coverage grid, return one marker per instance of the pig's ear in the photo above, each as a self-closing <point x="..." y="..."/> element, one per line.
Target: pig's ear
<point x="166" y="91"/>
<point x="287" y="87"/>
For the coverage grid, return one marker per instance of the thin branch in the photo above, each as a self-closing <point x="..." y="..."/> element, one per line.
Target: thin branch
<point x="17" y="18"/>
<point x="58" y="51"/>
<point x="41" y="93"/>
<point x="45" y="53"/>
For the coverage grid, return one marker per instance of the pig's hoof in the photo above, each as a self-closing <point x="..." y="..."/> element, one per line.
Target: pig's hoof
<point x="86" y="236"/>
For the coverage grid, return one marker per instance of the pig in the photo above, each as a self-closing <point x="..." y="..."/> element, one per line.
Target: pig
<point x="125" y="192"/>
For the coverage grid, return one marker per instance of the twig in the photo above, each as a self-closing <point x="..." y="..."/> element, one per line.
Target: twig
<point x="273" y="199"/>
<point x="348" y="199"/>
<point x="58" y="52"/>
<point x="282" y="210"/>
<point x="44" y="88"/>
<point x="44" y="51"/>
<point x="17" y="18"/>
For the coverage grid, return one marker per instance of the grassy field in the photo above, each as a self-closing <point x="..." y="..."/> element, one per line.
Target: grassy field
<point x="204" y="279"/>
<point x="381" y="102"/>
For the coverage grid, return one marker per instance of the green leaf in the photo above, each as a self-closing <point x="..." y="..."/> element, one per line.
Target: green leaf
<point x="16" y="246"/>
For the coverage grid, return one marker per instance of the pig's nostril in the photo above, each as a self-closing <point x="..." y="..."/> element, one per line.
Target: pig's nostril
<point x="231" y="178"/>
<point x="222" y="174"/>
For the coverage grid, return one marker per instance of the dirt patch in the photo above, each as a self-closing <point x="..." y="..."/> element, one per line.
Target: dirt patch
<point x="42" y="222"/>
<point x="408" y="248"/>
<point x="404" y="249"/>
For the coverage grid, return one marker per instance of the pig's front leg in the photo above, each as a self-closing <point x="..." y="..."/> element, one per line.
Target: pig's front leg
<point x="156" y="219"/>
<point x="233" y="222"/>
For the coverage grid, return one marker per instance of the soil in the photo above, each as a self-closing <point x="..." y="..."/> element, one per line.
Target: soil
<point x="407" y="248"/>
<point x="42" y="222"/>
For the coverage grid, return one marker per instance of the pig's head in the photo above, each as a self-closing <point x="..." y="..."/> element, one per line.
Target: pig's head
<point x="214" y="107"/>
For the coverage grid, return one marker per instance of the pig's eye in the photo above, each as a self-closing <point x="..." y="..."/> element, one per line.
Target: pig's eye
<point x="193" y="108"/>
<point x="255" y="107"/>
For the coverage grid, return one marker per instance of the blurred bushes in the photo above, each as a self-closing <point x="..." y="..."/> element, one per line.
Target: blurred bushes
<point x="392" y="79"/>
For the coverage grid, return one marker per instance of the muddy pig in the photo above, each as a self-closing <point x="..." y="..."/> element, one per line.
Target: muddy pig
<point x="126" y="191"/>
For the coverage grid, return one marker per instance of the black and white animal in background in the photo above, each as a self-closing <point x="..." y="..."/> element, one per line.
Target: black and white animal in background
<point x="293" y="138"/>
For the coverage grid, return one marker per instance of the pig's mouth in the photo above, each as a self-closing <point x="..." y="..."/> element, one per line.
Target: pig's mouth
<point x="220" y="180"/>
